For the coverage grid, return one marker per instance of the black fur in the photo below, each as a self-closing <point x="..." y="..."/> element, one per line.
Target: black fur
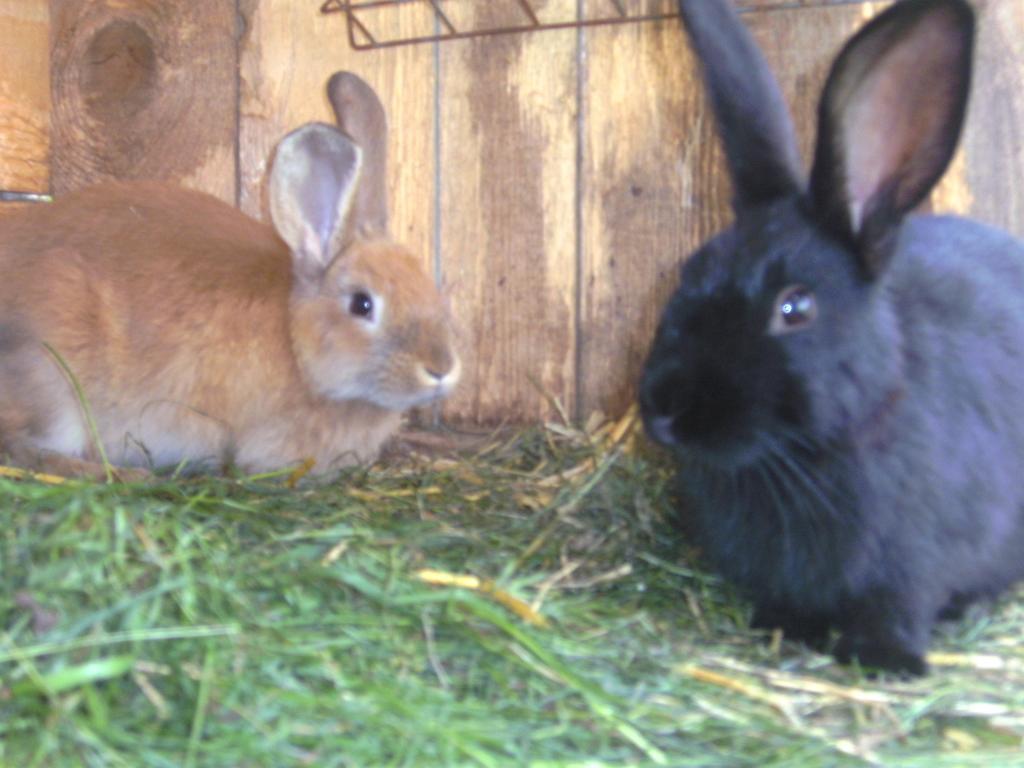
<point x="861" y="473"/>
<point x="756" y="128"/>
<point x="909" y="183"/>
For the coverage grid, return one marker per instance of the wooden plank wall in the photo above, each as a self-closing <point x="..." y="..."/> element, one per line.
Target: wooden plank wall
<point x="144" y="90"/>
<point x="25" y="96"/>
<point x="553" y="182"/>
<point x="508" y="215"/>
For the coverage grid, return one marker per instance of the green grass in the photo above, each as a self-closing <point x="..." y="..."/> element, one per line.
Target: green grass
<point x="238" y="622"/>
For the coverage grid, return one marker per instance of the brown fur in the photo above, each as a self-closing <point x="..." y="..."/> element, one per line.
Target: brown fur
<point x="180" y="319"/>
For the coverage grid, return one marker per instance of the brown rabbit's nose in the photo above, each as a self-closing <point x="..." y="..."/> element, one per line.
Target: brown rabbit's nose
<point x="437" y="374"/>
<point x="441" y="367"/>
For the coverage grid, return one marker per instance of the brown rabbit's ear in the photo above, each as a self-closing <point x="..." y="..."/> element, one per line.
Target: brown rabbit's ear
<point x="313" y="183"/>
<point x="361" y="116"/>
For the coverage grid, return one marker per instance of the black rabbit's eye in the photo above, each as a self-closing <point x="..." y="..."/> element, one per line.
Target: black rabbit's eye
<point x="795" y="308"/>
<point x="361" y="305"/>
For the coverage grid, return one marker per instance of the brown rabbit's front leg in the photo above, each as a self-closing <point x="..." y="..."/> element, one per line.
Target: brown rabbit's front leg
<point x="331" y="435"/>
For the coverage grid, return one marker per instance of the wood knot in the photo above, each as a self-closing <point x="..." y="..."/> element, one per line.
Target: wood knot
<point x="144" y="89"/>
<point x="119" y="75"/>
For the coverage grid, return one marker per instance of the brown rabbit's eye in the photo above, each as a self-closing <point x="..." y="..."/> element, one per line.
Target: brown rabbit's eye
<point x="795" y="308"/>
<point x="361" y="305"/>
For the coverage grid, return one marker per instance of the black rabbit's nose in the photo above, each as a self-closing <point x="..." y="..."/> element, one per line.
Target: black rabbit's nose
<point x="658" y="393"/>
<point x="660" y="429"/>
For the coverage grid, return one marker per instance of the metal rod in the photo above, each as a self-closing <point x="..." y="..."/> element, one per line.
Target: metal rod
<point x="9" y="196"/>
<point x="442" y="17"/>
<point x="510" y="30"/>
<point x="529" y="12"/>
<point x="354" y="24"/>
<point x="350" y="8"/>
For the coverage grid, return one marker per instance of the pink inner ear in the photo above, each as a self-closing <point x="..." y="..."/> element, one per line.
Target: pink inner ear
<point x="896" y="115"/>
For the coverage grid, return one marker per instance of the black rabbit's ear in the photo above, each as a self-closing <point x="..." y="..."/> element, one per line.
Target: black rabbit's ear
<point x="756" y="130"/>
<point x="890" y="119"/>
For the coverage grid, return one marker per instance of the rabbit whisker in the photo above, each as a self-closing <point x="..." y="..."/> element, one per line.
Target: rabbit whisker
<point x="810" y="480"/>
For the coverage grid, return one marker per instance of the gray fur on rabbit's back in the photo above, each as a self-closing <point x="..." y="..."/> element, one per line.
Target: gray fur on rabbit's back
<point x="957" y="287"/>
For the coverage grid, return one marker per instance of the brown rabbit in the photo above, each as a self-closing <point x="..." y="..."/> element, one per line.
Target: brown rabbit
<point x="199" y="335"/>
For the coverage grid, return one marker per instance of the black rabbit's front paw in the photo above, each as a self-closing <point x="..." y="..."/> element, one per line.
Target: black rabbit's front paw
<point x="958" y="603"/>
<point x="879" y="655"/>
<point x="811" y="630"/>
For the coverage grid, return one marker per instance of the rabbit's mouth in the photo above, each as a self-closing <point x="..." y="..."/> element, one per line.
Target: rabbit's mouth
<point x="735" y="453"/>
<point x="705" y="409"/>
<point x="424" y="391"/>
<point x="723" y="418"/>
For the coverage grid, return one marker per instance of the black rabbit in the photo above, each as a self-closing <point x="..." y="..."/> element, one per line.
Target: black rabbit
<point x="843" y="383"/>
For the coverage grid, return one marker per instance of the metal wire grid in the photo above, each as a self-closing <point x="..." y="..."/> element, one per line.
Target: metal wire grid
<point x="362" y="35"/>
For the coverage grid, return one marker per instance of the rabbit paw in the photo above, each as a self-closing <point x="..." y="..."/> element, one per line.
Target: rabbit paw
<point x="809" y="629"/>
<point x="879" y="654"/>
